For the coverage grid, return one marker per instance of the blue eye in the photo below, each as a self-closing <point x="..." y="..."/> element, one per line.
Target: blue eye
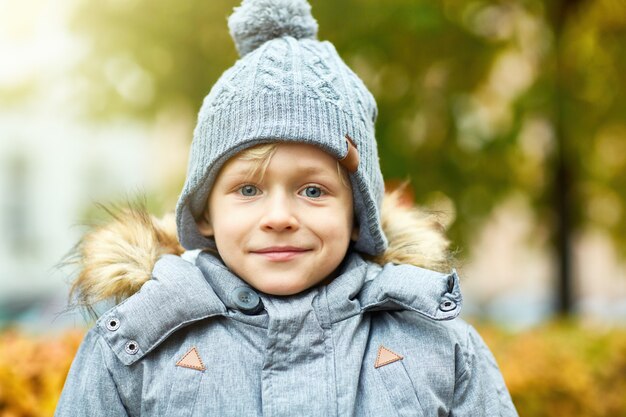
<point x="313" y="191"/>
<point x="248" y="190"/>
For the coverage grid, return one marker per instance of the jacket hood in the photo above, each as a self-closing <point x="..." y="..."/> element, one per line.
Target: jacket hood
<point x="115" y="260"/>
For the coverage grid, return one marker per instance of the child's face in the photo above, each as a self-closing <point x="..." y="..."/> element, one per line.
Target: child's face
<point x="284" y="230"/>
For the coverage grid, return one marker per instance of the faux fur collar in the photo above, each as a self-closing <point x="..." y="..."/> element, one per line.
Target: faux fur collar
<point x="116" y="259"/>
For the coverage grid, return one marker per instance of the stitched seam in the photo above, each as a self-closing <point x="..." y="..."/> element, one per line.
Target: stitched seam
<point x="108" y="368"/>
<point x="167" y="334"/>
<point x="238" y="320"/>
<point x="330" y="332"/>
<point x="195" y="397"/>
<point x="465" y="358"/>
<point x="398" y="401"/>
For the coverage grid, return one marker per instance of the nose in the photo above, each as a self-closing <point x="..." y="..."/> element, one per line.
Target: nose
<point x="278" y="214"/>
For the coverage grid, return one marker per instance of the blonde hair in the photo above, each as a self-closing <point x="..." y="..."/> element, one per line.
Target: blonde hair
<point x="260" y="156"/>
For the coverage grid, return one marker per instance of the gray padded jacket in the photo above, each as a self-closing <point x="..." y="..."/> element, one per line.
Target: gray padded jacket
<point x="376" y="341"/>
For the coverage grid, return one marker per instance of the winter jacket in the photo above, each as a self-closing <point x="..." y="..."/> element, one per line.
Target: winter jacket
<point x="378" y="340"/>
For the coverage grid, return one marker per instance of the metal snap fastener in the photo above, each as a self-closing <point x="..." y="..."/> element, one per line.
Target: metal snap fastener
<point x="447" y="305"/>
<point x="131" y="347"/>
<point x="113" y="324"/>
<point x="247" y="300"/>
<point x="451" y="284"/>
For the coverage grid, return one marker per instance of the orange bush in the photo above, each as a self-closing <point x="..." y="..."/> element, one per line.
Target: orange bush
<point x="563" y="369"/>
<point x="33" y="370"/>
<point x="558" y="369"/>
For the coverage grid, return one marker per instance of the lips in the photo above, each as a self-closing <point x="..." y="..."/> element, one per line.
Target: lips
<point x="280" y="249"/>
<point x="280" y="253"/>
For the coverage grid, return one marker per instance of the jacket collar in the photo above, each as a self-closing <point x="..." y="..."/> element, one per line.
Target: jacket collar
<point x="176" y="296"/>
<point x="366" y="286"/>
<point x="359" y="287"/>
<point x="181" y="293"/>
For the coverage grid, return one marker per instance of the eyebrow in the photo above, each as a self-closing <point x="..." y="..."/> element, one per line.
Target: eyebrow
<point x="245" y="169"/>
<point x="313" y="170"/>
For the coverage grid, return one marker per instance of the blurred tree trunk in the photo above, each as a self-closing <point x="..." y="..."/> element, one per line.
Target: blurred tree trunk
<point x="565" y="175"/>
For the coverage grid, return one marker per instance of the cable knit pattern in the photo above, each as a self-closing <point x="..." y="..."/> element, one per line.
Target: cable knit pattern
<point x="291" y="90"/>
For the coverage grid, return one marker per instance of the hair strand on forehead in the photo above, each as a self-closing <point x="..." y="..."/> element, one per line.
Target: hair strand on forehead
<point x="260" y="156"/>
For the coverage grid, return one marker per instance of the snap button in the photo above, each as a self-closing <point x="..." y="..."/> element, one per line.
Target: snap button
<point x="131" y="347"/>
<point x="447" y="305"/>
<point x="247" y="300"/>
<point x="113" y="324"/>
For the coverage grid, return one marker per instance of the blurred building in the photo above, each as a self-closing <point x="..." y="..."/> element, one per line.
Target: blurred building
<point x="53" y="166"/>
<point x="52" y="169"/>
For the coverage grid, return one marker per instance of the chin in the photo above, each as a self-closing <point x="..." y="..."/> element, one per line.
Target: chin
<point x="281" y="288"/>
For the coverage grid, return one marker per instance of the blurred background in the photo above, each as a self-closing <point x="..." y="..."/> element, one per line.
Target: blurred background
<point x="508" y="117"/>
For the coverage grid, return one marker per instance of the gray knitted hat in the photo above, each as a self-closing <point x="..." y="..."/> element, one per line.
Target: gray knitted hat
<point x="286" y="87"/>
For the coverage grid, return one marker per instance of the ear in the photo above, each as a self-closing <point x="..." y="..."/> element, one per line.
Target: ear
<point x="204" y="226"/>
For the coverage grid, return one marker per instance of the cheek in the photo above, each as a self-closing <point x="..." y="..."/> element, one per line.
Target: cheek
<point x="229" y="228"/>
<point x="228" y="215"/>
<point x="336" y="223"/>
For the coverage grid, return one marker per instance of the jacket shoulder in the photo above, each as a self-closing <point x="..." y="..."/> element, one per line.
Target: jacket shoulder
<point x="90" y="388"/>
<point x="176" y="296"/>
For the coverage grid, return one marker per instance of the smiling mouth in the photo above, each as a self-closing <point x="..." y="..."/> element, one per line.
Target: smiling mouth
<point x="281" y="254"/>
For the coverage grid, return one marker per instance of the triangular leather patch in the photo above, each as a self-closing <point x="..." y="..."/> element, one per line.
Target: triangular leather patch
<point x="192" y="360"/>
<point x="385" y="357"/>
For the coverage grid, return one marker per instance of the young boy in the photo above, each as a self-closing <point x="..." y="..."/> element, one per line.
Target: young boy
<point x="282" y="313"/>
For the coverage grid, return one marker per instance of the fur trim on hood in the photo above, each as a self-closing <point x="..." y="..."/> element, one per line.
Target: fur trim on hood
<point x="116" y="259"/>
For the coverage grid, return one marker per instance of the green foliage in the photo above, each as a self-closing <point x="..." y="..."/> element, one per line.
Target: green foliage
<point x="593" y="51"/>
<point x="477" y="99"/>
<point x="147" y="56"/>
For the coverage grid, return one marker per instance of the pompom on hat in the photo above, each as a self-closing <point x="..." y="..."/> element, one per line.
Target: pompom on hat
<point x="257" y="22"/>
<point x="286" y="87"/>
